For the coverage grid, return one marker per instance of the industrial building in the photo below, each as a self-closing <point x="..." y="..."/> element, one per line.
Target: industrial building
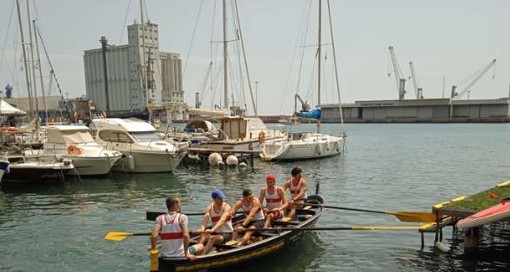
<point x="138" y="75"/>
<point x="420" y="110"/>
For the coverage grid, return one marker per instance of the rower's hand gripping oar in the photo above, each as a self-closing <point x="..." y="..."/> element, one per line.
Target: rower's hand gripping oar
<point x="401" y="215"/>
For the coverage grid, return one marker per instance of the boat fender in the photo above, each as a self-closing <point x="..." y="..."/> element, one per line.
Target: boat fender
<point x="262" y="137"/>
<point x="215" y="159"/>
<point x="443" y="247"/>
<point x="232" y="160"/>
<point x="131" y="162"/>
<point x="318" y="149"/>
<point x="154" y="265"/>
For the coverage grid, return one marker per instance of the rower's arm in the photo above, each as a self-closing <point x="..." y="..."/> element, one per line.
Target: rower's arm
<point x="253" y="211"/>
<point x="285" y="203"/>
<point x="205" y="219"/>
<point x="262" y="195"/>
<point x="155" y="234"/>
<point x="223" y="219"/>
<point x="235" y="208"/>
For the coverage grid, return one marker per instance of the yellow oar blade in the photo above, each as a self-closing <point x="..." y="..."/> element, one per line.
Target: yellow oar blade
<point x="117" y="236"/>
<point x="414" y="216"/>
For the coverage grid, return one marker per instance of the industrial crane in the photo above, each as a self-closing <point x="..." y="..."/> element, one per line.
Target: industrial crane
<point x="479" y="75"/>
<point x="418" y="90"/>
<point x="399" y="78"/>
<point x="304" y="105"/>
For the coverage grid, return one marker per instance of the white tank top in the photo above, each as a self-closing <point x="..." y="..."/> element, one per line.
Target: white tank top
<point x="273" y="200"/>
<point x="294" y="190"/>
<point x="216" y="216"/>
<point x="171" y="236"/>
<point x="258" y="216"/>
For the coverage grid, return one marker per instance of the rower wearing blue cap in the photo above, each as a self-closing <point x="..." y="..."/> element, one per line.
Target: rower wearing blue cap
<point x="217" y="193"/>
<point x="219" y="213"/>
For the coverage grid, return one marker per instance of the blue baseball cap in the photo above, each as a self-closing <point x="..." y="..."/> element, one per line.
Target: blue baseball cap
<point x="217" y="193"/>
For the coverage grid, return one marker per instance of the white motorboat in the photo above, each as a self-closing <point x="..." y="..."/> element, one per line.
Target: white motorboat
<point x="76" y="142"/>
<point x="308" y="145"/>
<point x="47" y="169"/>
<point x="144" y="151"/>
<point x="240" y="134"/>
<point x="302" y="146"/>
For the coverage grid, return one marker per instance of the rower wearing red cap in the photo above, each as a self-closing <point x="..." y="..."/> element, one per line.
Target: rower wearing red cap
<point x="276" y="202"/>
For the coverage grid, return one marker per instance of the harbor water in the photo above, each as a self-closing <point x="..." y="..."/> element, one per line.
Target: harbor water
<point x="388" y="167"/>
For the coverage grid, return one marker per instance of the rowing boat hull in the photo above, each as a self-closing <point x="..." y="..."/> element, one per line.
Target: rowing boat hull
<point x="235" y="257"/>
<point x="489" y="215"/>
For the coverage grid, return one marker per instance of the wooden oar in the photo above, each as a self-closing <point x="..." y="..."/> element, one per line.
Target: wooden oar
<point x="401" y="215"/>
<point x="339" y="228"/>
<point x="119" y="236"/>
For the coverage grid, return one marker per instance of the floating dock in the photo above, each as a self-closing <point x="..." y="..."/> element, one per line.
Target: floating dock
<point x="448" y="213"/>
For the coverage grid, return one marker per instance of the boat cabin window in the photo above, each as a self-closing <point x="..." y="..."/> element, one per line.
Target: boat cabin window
<point x="297" y="136"/>
<point x="115" y="136"/>
<point x="144" y="136"/>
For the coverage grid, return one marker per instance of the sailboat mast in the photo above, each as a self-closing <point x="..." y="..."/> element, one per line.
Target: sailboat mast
<point x="34" y="85"/>
<point x="45" y="107"/>
<point x="319" y="40"/>
<point x="225" y="68"/>
<point x="340" y="113"/>
<point x="25" y="61"/>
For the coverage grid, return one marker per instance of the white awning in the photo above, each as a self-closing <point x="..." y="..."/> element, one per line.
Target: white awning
<point x="8" y="109"/>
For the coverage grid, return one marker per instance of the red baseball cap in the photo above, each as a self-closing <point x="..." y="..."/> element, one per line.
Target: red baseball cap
<point x="271" y="177"/>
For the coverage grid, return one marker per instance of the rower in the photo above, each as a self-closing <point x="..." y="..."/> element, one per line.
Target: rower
<point x="254" y="215"/>
<point x="275" y="199"/>
<point x="221" y="231"/>
<point x="297" y="187"/>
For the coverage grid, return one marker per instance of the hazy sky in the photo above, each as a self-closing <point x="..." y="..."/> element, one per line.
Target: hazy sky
<point x="452" y="39"/>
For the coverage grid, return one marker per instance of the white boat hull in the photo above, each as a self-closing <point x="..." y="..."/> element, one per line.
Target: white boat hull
<point x="311" y="146"/>
<point x="38" y="170"/>
<point x="144" y="151"/>
<point x="94" y="166"/>
<point x="148" y="162"/>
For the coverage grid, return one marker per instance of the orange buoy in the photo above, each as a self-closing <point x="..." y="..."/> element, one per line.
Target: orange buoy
<point x="73" y="150"/>
<point x="262" y="137"/>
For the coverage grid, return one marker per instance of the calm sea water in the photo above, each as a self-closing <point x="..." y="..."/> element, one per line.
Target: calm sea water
<point x="387" y="167"/>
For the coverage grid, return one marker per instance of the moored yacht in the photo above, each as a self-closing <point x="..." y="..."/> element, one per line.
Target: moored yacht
<point x="47" y="169"/>
<point x="144" y="151"/>
<point x="240" y="134"/>
<point x="76" y="142"/>
<point x="303" y="146"/>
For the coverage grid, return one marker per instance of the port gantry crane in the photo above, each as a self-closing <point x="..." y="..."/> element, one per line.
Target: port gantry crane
<point x="477" y="77"/>
<point x="399" y="78"/>
<point x="417" y="89"/>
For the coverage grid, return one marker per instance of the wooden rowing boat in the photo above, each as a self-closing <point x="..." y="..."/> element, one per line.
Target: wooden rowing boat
<point x="265" y="243"/>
